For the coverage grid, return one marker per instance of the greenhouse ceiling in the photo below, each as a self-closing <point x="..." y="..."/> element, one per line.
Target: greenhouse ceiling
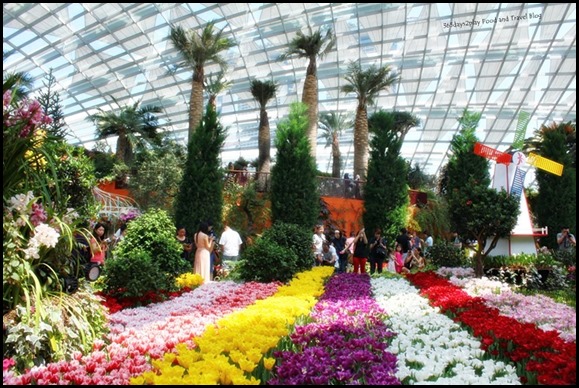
<point x="498" y="59"/>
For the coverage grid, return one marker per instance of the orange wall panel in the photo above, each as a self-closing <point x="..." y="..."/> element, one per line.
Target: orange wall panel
<point x="346" y="213"/>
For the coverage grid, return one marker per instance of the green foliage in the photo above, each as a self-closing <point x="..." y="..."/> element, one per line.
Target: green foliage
<point x="476" y="211"/>
<point x="76" y="174"/>
<point x="445" y="254"/>
<point x="49" y="99"/>
<point x="266" y="261"/>
<point x="69" y="323"/>
<point x="157" y="175"/>
<point x="386" y="190"/>
<point x="486" y="215"/>
<point x="556" y="201"/>
<point x="418" y="180"/>
<point x="135" y="275"/>
<point x="434" y="216"/>
<point x="294" y="195"/>
<point x="246" y="210"/>
<point x="567" y="258"/>
<point x="104" y="164"/>
<point x="200" y="193"/>
<point x="295" y="238"/>
<point x="464" y="169"/>
<point x="153" y="232"/>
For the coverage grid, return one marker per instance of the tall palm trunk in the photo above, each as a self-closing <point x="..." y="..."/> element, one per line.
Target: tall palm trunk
<point x="336" y="156"/>
<point x="310" y="97"/>
<point x="264" y="142"/>
<point x="361" y="141"/>
<point x="124" y="149"/>
<point x="264" y="146"/>
<point x="196" y="102"/>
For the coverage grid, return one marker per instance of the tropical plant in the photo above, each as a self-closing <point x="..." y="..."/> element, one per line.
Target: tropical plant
<point x="19" y="83"/>
<point x="68" y="324"/>
<point x="333" y="125"/>
<point x="556" y="202"/>
<point x="311" y="46"/>
<point x="367" y="84"/>
<point x="433" y="216"/>
<point x="198" y="49"/>
<point x="215" y="84"/>
<point x="418" y="180"/>
<point x="262" y="92"/>
<point x="49" y="100"/>
<point x="136" y="127"/>
<point x="294" y="194"/>
<point x="200" y="191"/>
<point x="386" y="190"/>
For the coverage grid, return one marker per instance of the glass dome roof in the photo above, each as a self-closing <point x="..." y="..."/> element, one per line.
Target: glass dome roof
<point x="498" y="59"/>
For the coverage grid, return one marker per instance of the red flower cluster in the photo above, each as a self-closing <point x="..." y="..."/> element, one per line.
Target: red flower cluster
<point x="545" y="357"/>
<point x="115" y="304"/>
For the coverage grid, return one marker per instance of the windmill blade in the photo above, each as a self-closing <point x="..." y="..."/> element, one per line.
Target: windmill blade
<point x="522" y="122"/>
<point x="490" y="153"/>
<point x="545" y="164"/>
<point x="518" y="181"/>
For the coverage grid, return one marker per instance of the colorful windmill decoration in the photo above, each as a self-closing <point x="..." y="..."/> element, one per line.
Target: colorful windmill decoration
<point x="509" y="174"/>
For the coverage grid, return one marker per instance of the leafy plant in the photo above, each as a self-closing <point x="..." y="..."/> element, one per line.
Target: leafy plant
<point x="266" y="261"/>
<point x="445" y="254"/>
<point x="295" y="238"/>
<point x="71" y="323"/>
<point x="149" y="240"/>
<point x="135" y="275"/>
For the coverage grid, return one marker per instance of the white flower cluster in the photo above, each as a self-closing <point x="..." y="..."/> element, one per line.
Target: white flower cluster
<point x="44" y="235"/>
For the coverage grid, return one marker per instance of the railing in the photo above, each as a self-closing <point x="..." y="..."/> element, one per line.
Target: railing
<point x="328" y="186"/>
<point x="113" y="205"/>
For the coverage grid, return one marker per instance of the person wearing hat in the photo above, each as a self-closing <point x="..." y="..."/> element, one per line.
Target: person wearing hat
<point x="565" y="239"/>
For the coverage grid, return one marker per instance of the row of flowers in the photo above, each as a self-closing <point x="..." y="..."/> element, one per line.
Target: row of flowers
<point x="362" y="330"/>
<point x="541" y="356"/>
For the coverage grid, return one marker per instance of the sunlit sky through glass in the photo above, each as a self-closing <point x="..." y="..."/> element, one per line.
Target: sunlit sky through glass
<point x="496" y="58"/>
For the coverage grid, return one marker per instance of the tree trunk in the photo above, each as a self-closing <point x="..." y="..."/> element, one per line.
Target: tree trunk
<point x="361" y="142"/>
<point x="195" y="104"/>
<point x="336" y="156"/>
<point x="310" y="97"/>
<point x="264" y="146"/>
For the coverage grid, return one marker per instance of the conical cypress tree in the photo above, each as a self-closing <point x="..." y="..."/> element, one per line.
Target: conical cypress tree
<point x="294" y="193"/>
<point x="200" y="194"/>
<point x="386" y="190"/>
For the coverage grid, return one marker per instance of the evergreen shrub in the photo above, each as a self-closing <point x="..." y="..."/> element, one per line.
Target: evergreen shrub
<point x="148" y="258"/>
<point x="445" y="254"/>
<point x="295" y="238"/>
<point x="266" y="261"/>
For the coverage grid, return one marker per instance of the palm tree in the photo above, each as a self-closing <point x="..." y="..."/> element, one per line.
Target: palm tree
<point x="19" y="82"/>
<point x="197" y="50"/>
<point x="332" y="125"/>
<point x="216" y="85"/>
<point x="366" y="84"/>
<point x="263" y="91"/>
<point x="403" y="122"/>
<point x="312" y="46"/>
<point x="134" y="126"/>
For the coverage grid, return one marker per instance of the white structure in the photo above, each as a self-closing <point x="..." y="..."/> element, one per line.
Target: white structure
<point x="511" y="177"/>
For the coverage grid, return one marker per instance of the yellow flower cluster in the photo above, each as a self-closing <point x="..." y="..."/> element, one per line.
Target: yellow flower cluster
<point x="189" y="279"/>
<point x="234" y="350"/>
